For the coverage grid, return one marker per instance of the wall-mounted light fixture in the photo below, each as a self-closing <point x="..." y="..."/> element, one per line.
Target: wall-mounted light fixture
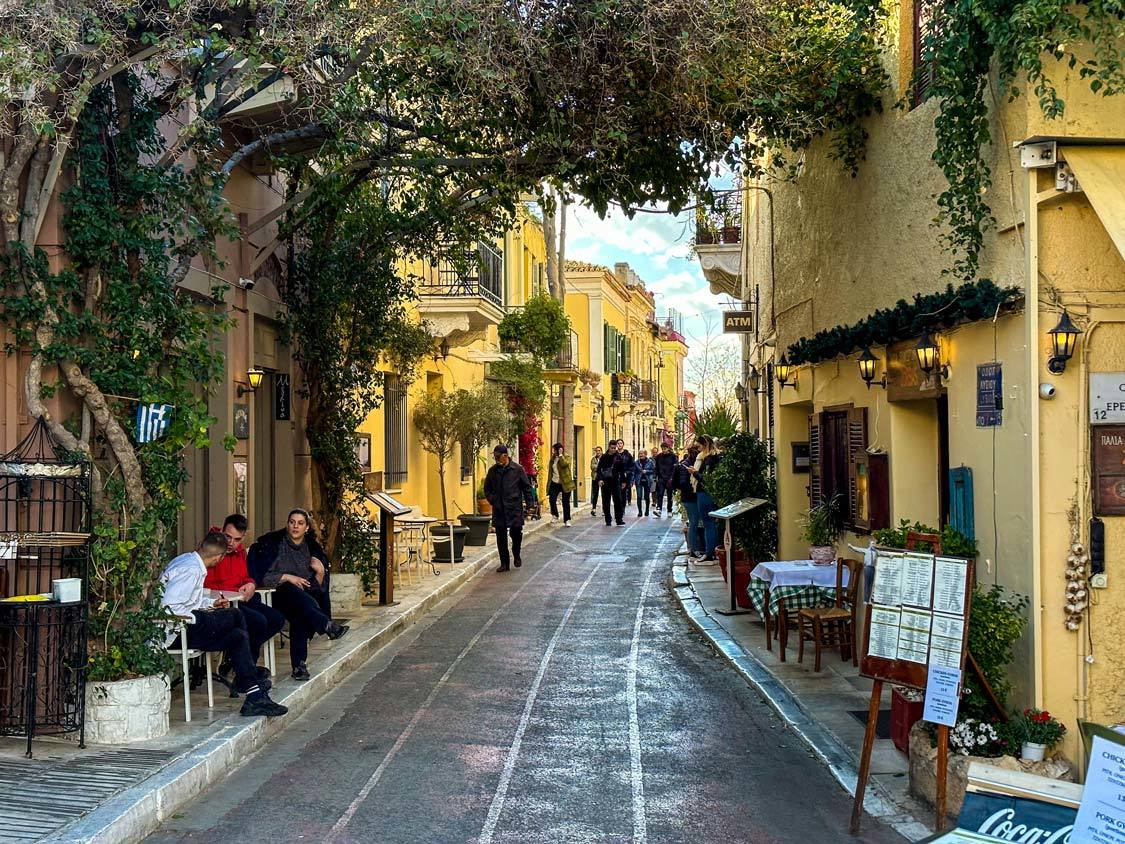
<point x="786" y="372"/>
<point x="1064" y="337"/>
<point x="254" y="376"/>
<point x="929" y="356"/>
<point x="740" y="392"/>
<point x="868" y="363"/>
<point x="754" y="378"/>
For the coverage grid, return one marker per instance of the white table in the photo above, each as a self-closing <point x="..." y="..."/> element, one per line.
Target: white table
<point x="779" y="586"/>
<point x="797" y="573"/>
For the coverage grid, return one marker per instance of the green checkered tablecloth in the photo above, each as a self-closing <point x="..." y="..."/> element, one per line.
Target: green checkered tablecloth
<point x="796" y="597"/>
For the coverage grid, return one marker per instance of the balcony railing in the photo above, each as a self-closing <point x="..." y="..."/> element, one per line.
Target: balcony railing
<point x="567" y="358"/>
<point x="482" y="278"/>
<point x="724" y="223"/>
<point x="646" y="391"/>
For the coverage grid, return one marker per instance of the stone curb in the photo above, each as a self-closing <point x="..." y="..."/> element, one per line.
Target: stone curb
<point x="824" y="745"/>
<point x="138" y="811"/>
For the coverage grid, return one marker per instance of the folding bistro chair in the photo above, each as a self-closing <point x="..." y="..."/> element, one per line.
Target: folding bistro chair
<point x="186" y="655"/>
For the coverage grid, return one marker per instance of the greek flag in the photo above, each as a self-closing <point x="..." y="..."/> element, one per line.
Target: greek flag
<point x="152" y="421"/>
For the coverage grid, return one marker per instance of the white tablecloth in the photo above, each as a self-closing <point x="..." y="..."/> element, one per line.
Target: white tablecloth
<point x="797" y="573"/>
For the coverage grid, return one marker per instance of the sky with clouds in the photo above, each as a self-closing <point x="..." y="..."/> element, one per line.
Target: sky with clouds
<point x="658" y="248"/>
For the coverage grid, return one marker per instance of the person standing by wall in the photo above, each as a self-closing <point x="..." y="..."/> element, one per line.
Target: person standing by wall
<point x="627" y="467"/>
<point x="644" y="470"/>
<point x="561" y="481"/>
<point x="594" y="485"/>
<point x="664" y="475"/>
<point x="507" y="487"/>
<point x="707" y="459"/>
<point x="682" y="482"/>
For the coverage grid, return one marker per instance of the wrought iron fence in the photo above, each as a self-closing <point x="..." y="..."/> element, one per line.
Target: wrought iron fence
<point x="723" y="224"/>
<point x="567" y="358"/>
<point x="482" y="277"/>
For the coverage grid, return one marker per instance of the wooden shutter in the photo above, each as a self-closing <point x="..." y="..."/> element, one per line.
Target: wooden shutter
<point x="961" y="501"/>
<point x="816" y="452"/>
<point x="857" y="445"/>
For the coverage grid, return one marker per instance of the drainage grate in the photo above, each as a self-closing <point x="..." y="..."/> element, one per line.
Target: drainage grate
<point x="40" y="798"/>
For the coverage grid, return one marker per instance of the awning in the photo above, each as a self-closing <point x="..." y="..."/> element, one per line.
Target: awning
<point x="1101" y="175"/>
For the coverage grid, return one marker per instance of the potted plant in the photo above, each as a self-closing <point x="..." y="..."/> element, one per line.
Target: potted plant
<point x="704" y="232"/>
<point x="1037" y="731"/>
<point x="434" y="421"/>
<point x="481" y="419"/>
<point x="732" y="227"/>
<point x="483" y="504"/>
<point x="821" y="528"/>
<point x="356" y="571"/>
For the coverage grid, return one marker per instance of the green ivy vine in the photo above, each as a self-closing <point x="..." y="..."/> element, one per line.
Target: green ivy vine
<point x="540" y="327"/>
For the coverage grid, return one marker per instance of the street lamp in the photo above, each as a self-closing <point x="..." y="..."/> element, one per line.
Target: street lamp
<point x="740" y="392"/>
<point x="929" y="357"/>
<point x="755" y="379"/>
<point x="1064" y="337"/>
<point x="785" y="371"/>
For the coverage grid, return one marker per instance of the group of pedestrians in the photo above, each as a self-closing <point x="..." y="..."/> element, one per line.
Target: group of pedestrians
<point x="289" y="561"/>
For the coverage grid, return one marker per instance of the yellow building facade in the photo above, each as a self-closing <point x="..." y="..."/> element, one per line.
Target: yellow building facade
<point x="992" y="441"/>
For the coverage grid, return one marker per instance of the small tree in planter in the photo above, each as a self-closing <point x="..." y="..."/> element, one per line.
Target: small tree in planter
<point x="435" y="420"/>
<point x="1036" y="732"/>
<point x="481" y="419"/>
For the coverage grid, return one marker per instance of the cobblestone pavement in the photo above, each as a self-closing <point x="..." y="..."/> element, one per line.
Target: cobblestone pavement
<point x="566" y="701"/>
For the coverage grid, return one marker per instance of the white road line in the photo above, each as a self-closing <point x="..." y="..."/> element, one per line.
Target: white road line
<point x="563" y="542"/>
<point x="640" y="824"/>
<point x="501" y="794"/>
<point x="349" y="813"/>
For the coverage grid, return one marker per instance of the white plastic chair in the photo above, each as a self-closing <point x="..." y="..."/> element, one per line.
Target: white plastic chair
<point x="186" y="655"/>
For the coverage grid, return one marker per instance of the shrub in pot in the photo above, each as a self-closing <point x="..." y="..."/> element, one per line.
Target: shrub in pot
<point x="480" y="418"/>
<point x="821" y="528"/>
<point x="1036" y="732"/>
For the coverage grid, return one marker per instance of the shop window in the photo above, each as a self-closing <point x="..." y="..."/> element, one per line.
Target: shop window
<point x="837" y="439"/>
<point x="923" y="79"/>
<point x="467" y="457"/>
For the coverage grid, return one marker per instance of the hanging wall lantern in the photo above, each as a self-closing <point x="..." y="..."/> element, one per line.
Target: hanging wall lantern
<point x="254" y="376"/>
<point x="927" y="352"/>
<point x="1064" y="337"/>
<point x="868" y="363"/>
<point x="754" y="378"/>
<point x="785" y="371"/>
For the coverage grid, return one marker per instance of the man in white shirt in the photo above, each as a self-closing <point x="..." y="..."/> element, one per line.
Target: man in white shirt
<point x="212" y="625"/>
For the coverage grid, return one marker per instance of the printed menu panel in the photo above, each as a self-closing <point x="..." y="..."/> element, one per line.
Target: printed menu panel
<point x="950" y="579"/>
<point x="914" y="635"/>
<point x="887" y="588"/>
<point x="885" y="625"/>
<point x="917" y="579"/>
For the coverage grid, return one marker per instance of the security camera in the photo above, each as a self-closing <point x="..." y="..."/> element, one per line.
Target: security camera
<point x="246" y="283"/>
<point x="1046" y="391"/>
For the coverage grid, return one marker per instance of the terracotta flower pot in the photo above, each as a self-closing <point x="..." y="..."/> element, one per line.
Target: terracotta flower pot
<point x="743" y="565"/>
<point x="823" y="555"/>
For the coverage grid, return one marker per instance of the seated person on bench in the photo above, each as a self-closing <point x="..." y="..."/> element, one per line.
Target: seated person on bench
<point x="212" y="625"/>
<point x="292" y="562"/>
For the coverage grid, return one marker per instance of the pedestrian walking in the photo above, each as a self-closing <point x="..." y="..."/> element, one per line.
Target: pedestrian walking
<point x="627" y="468"/>
<point x="561" y="482"/>
<point x="644" y="470"/>
<point x="613" y="481"/>
<point x="664" y="476"/>
<point x="507" y="488"/>
<point x="682" y="482"/>
<point x="293" y="563"/>
<point x="705" y="462"/>
<point x="594" y="486"/>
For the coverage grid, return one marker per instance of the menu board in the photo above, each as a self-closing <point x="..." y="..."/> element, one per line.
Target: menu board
<point x="916" y="615"/>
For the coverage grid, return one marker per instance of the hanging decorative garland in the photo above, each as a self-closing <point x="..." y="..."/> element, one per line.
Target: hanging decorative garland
<point x="970" y="302"/>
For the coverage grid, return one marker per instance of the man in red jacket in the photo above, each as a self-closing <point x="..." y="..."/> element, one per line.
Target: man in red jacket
<point x="231" y="575"/>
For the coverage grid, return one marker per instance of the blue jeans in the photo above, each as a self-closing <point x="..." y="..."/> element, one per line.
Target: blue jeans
<point x="692" y="509"/>
<point x="706" y="505"/>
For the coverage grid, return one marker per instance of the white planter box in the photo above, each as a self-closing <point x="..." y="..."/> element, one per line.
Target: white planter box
<point x="345" y="591"/>
<point x="127" y="710"/>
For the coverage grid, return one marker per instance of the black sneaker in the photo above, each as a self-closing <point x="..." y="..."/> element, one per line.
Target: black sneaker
<point x="262" y="705"/>
<point x="336" y="631"/>
<point x="263" y="673"/>
<point x="518" y="562"/>
<point x="502" y="569"/>
<point x="300" y="672"/>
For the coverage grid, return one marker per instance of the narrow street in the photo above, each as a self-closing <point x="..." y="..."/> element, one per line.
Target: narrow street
<point x="566" y="701"/>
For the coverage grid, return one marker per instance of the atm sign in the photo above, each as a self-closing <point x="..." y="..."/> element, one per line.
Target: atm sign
<point x="738" y="322"/>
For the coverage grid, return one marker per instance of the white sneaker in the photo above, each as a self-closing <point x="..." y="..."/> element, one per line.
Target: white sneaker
<point x="554" y="519"/>
<point x="566" y="524"/>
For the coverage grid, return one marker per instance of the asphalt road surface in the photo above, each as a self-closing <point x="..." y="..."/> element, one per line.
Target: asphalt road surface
<point x="567" y="701"/>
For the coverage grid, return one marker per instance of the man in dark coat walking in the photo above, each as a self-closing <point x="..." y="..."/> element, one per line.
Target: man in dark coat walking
<point x="506" y="486"/>
<point x="665" y="475"/>
<point x="612" y="480"/>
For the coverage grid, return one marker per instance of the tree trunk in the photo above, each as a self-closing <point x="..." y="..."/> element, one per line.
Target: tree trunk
<point x="441" y="483"/>
<point x="552" y="255"/>
<point x="326" y="486"/>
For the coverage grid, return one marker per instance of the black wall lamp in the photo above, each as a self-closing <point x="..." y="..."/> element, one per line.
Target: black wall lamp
<point x="867" y="366"/>
<point x="754" y="378"/>
<point x="929" y="356"/>
<point x="786" y="372"/>
<point x="1064" y="337"/>
<point x="254" y="376"/>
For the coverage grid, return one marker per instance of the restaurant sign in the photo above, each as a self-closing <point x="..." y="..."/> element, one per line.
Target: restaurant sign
<point x="738" y="322"/>
<point x="1107" y="398"/>
<point x="1016" y="819"/>
<point x="905" y="381"/>
<point x="1108" y="448"/>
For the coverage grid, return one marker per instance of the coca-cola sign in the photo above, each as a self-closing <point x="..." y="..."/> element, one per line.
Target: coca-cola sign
<point x="1017" y="819"/>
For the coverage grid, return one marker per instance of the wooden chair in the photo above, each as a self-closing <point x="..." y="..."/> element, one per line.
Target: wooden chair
<point x="913" y="538"/>
<point x="833" y="626"/>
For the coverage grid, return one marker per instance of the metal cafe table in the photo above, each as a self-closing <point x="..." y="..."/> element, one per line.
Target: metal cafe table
<point x="780" y="587"/>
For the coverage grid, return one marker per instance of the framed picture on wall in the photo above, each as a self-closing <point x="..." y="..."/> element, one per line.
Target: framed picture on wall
<point x="800" y="455"/>
<point x="242" y="421"/>
<point x="363" y="451"/>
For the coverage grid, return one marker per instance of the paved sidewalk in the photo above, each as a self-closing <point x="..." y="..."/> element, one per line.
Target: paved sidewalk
<point x="818" y="706"/>
<point x="120" y="794"/>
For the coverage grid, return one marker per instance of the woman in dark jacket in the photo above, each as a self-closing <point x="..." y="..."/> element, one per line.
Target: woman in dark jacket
<point x="706" y="460"/>
<point x="291" y="562"/>
<point x="681" y="480"/>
